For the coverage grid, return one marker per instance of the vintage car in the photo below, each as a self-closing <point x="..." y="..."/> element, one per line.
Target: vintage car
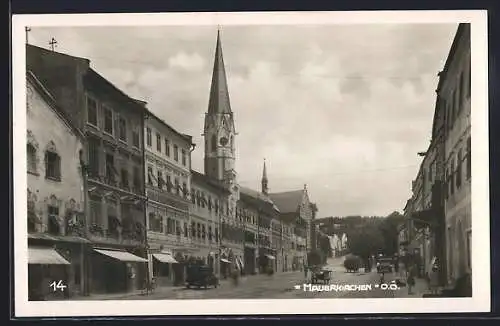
<point x="201" y="276"/>
<point x="384" y="265"/>
<point x="321" y="275"/>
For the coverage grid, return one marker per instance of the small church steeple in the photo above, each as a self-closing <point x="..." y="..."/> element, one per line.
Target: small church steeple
<point x="264" y="181"/>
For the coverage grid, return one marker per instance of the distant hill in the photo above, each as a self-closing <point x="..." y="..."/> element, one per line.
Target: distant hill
<point x="345" y="224"/>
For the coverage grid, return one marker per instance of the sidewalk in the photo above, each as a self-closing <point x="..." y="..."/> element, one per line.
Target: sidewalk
<point x="418" y="290"/>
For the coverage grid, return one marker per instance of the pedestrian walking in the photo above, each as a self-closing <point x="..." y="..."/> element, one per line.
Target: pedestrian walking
<point x="434" y="278"/>
<point x="410" y="278"/>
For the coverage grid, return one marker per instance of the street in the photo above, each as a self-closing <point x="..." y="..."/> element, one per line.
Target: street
<point x="283" y="286"/>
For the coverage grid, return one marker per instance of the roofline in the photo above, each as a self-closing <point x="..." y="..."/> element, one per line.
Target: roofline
<point x="50" y="99"/>
<point x="460" y="31"/>
<point x="105" y="80"/>
<point x="59" y="53"/>
<point x="148" y="112"/>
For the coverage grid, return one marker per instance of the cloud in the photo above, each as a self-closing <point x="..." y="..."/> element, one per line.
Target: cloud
<point x="343" y="108"/>
<point x="189" y="62"/>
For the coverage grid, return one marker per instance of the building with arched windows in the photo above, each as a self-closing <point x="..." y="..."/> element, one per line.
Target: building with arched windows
<point x="55" y="216"/>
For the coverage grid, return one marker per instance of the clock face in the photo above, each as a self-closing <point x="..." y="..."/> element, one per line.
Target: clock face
<point x="223" y="141"/>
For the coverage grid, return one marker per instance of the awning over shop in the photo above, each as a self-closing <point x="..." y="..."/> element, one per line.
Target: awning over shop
<point x="165" y="258"/>
<point x="45" y="256"/>
<point x="271" y="257"/>
<point x="121" y="255"/>
<point x="224" y="260"/>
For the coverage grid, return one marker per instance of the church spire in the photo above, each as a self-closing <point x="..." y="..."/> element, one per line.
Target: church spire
<point x="219" y="93"/>
<point x="264" y="181"/>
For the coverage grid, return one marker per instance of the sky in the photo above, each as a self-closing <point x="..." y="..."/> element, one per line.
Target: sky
<point x="341" y="108"/>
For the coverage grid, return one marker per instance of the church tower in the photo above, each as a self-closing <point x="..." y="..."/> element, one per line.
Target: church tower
<point x="264" y="181"/>
<point x="219" y="130"/>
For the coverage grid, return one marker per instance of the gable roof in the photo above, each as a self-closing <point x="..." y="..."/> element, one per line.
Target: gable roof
<point x="251" y="196"/>
<point x="51" y="101"/>
<point x="289" y="201"/>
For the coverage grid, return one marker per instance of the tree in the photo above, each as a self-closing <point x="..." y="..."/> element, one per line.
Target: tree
<point x="389" y="229"/>
<point x="365" y="241"/>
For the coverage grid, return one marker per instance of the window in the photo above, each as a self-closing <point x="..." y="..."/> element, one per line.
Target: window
<point x="193" y="229"/>
<point x="210" y="235"/>
<point x="108" y="120"/>
<point x="169" y="183"/>
<point x="185" y="230"/>
<point x="458" y="178"/>
<point x="31" y="216"/>
<point x="193" y="197"/>
<point x="468" y="158"/>
<point x="155" y="222"/>
<point x="184" y="190"/>
<point x="216" y="234"/>
<point x="167" y="147"/>
<point x="124" y="177"/>
<point x="150" y="175"/>
<point x="122" y="129"/>
<point x="198" y="230"/>
<point x="176" y="153"/>
<point x="53" y="225"/>
<point x="203" y="232"/>
<point x="135" y="139"/>
<point x="91" y="111"/>
<point x="31" y="157"/>
<point x="177" y="187"/>
<point x="160" y="179"/>
<point x="148" y="137"/>
<point x="93" y="157"/>
<point x="137" y="179"/>
<point x="52" y="166"/>
<point x="110" y="168"/>
<point x="184" y="157"/>
<point x="158" y="142"/>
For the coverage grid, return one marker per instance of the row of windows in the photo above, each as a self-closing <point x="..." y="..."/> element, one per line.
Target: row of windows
<point x="114" y="127"/>
<point x="454" y="173"/>
<point x="165" y="144"/>
<point x="461" y="92"/>
<point x="52" y="162"/>
<point x="164" y="181"/>
<point x="196" y="230"/>
<point x="112" y="175"/>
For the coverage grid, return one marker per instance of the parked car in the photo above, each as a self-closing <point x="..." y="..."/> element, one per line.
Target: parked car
<point x="201" y="276"/>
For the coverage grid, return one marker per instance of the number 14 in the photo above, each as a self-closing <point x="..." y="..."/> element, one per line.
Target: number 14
<point x="58" y="286"/>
